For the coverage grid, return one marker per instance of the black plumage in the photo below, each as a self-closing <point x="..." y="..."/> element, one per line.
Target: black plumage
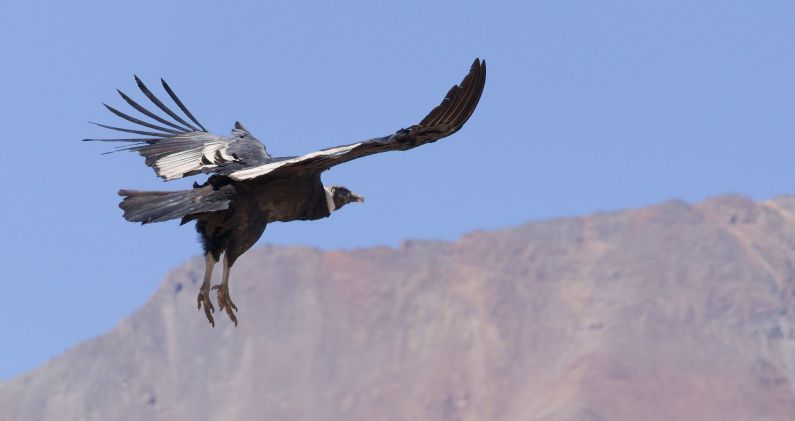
<point x="248" y="187"/>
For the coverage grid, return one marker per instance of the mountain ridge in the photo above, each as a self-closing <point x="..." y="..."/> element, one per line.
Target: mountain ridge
<point x="673" y="311"/>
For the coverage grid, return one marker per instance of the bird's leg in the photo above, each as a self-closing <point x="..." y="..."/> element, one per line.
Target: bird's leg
<point x="204" y="291"/>
<point x="224" y="300"/>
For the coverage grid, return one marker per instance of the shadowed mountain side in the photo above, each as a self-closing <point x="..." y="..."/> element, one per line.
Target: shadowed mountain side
<point x="667" y="312"/>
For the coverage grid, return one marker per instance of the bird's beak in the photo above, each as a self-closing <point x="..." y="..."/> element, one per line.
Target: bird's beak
<point x="357" y="198"/>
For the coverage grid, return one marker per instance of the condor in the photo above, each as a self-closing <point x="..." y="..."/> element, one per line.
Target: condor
<point x="248" y="187"/>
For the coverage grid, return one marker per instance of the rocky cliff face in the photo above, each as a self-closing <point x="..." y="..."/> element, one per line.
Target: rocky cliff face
<point x="668" y="312"/>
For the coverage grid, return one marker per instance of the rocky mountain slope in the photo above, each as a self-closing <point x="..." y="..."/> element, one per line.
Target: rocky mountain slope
<point x="672" y="312"/>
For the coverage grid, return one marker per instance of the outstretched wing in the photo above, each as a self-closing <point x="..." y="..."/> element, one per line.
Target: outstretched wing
<point x="177" y="148"/>
<point x="442" y="121"/>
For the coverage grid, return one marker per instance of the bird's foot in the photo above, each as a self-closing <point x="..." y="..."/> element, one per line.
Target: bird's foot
<point x="204" y="298"/>
<point x="225" y="301"/>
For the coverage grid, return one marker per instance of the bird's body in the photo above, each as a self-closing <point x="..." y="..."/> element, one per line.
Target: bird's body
<point x="252" y="205"/>
<point x="250" y="189"/>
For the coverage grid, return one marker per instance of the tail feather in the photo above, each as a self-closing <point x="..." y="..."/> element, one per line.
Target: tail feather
<point x="153" y="206"/>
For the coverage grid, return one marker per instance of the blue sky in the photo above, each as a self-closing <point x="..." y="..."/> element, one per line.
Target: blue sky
<point x="589" y="106"/>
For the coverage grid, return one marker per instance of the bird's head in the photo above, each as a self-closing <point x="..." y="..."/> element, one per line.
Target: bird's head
<point x="339" y="196"/>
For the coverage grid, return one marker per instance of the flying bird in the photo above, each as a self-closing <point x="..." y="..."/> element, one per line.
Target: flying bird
<point x="248" y="187"/>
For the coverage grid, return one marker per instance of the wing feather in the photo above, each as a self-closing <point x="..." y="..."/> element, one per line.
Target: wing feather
<point x="140" y="132"/>
<point x="189" y="150"/>
<point x="461" y="111"/>
<point x="180" y="104"/>
<point x="445" y="119"/>
<point x="179" y="151"/>
<point x="160" y="104"/>
<point x="140" y="122"/>
<point x="150" y="114"/>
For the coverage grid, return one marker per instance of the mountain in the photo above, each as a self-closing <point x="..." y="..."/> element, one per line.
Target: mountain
<point x="671" y="312"/>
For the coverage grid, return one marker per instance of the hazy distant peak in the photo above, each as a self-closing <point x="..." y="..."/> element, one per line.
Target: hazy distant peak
<point x="673" y="311"/>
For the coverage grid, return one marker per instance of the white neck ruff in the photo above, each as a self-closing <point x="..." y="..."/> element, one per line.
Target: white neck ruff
<point x="329" y="199"/>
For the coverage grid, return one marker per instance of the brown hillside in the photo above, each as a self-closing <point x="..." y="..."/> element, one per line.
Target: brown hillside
<point x="672" y="312"/>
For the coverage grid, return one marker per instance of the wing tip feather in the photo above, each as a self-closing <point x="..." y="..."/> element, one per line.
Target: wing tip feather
<point x="460" y="101"/>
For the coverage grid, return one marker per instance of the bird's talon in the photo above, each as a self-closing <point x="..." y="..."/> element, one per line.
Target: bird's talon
<point x="225" y="302"/>
<point x="204" y="299"/>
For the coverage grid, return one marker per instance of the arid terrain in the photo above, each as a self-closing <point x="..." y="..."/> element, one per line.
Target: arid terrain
<point x="671" y="312"/>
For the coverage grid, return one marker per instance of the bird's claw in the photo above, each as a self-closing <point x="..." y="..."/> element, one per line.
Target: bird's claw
<point x="204" y="298"/>
<point x="225" y="302"/>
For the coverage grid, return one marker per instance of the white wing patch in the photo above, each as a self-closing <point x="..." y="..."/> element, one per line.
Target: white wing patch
<point x="260" y="170"/>
<point x="209" y="155"/>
